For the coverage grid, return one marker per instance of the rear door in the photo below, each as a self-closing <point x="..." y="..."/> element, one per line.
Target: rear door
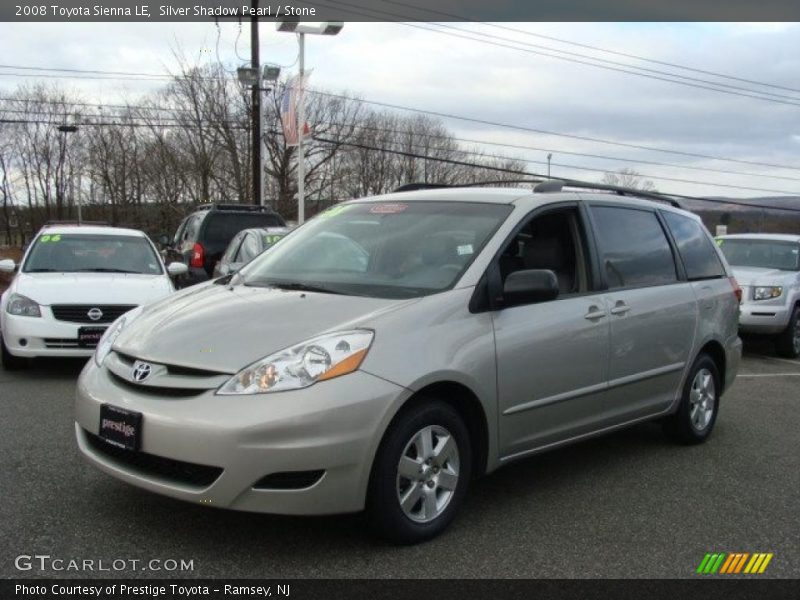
<point x="652" y="310"/>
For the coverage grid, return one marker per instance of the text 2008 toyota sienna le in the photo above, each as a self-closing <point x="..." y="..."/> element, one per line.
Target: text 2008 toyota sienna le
<point x="393" y="348"/>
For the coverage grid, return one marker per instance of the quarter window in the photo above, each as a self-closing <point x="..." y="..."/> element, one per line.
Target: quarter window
<point x="633" y="247"/>
<point x="695" y="247"/>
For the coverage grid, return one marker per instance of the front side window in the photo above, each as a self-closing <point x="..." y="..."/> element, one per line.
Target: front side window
<point x="633" y="247"/>
<point x="380" y="249"/>
<point x="85" y="253"/>
<point x="550" y="241"/>
<point x="766" y="254"/>
<point x="695" y="247"/>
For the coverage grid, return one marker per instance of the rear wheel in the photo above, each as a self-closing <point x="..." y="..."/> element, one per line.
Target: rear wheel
<point x="787" y="343"/>
<point x="694" y="420"/>
<point x="11" y="362"/>
<point x="420" y="474"/>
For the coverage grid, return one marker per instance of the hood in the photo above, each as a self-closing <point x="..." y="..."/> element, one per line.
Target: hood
<point x="91" y="288"/>
<point x="223" y="328"/>
<point x="759" y="276"/>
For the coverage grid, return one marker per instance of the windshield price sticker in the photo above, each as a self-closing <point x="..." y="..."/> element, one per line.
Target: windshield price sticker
<point x="388" y="209"/>
<point x="335" y="210"/>
<point x="50" y="238"/>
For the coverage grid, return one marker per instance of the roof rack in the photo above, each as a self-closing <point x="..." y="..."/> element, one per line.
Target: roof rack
<point x="78" y="223"/>
<point x="413" y="187"/>
<point x="234" y="207"/>
<point x="545" y="186"/>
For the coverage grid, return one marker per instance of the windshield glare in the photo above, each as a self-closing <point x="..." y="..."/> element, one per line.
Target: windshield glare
<point x="380" y="249"/>
<point x="74" y="253"/>
<point x="762" y="253"/>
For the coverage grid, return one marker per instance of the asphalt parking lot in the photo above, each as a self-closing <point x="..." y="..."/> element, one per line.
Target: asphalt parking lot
<point x="627" y="505"/>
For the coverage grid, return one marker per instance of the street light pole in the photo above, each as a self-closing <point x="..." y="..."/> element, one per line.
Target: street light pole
<point x="549" y="156"/>
<point x="324" y="28"/>
<point x="301" y="120"/>
<point x="65" y="129"/>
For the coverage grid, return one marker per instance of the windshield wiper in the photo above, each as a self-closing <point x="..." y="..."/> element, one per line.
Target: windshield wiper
<point x="297" y="286"/>
<point x="41" y="270"/>
<point x="105" y="270"/>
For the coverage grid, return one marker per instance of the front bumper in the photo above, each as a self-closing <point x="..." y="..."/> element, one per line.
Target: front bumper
<point x="334" y="426"/>
<point x="763" y="317"/>
<point x="31" y="337"/>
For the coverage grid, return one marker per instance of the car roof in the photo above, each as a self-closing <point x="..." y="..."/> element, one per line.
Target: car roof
<point x="774" y="237"/>
<point x="90" y="230"/>
<point x="495" y="195"/>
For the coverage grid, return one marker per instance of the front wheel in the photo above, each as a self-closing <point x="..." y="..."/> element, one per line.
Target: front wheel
<point x="694" y="420"/>
<point x="787" y="343"/>
<point x="420" y="474"/>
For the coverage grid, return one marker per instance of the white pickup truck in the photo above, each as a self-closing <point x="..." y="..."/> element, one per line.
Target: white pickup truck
<point x="767" y="267"/>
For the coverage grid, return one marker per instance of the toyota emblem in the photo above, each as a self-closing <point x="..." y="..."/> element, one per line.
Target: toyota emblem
<point x="95" y="314"/>
<point x="141" y="371"/>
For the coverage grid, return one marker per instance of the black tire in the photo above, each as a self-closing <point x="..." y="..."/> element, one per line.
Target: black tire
<point x="686" y="425"/>
<point x="11" y="362"/>
<point x="787" y="343"/>
<point x="388" y="519"/>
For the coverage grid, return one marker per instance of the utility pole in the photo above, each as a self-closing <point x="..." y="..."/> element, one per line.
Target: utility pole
<point x="255" y="106"/>
<point x="301" y="122"/>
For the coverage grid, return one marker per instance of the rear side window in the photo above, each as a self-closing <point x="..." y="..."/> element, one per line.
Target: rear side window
<point x="695" y="247"/>
<point x="223" y="226"/>
<point x="633" y="247"/>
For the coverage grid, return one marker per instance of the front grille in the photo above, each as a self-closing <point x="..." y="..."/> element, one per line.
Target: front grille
<point x="156" y="390"/>
<point x="79" y="313"/>
<point x="63" y="343"/>
<point x="289" y="480"/>
<point x="177" y="471"/>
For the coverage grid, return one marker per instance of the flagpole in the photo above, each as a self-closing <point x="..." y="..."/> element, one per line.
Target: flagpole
<point x="301" y="121"/>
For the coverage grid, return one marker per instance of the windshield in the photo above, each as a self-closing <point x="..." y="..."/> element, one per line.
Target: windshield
<point x="761" y="253"/>
<point x="75" y="253"/>
<point x="386" y="250"/>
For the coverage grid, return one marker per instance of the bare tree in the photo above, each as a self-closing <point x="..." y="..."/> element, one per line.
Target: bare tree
<point x="629" y="178"/>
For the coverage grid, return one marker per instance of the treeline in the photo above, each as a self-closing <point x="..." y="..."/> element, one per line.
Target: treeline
<point x="147" y="162"/>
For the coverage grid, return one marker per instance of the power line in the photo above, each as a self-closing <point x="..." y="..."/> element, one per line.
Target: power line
<point x="464" y="140"/>
<point x="621" y="68"/>
<point x="553" y="133"/>
<point x="595" y="170"/>
<point x="540" y="176"/>
<point x="571" y="153"/>
<point x="591" y="47"/>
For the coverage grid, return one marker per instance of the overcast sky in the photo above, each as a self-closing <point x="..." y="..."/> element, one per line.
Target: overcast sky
<point x="412" y="66"/>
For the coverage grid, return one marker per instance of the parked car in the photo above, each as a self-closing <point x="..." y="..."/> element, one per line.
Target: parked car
<point x="767" y="267"/>
<point x="203" y="236"/>
<point x="245" y="246"/>
<point x="393" y="348"/>
<point x="73" y="281"/>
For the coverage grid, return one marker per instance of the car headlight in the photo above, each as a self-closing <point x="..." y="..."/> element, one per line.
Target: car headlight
<point x="765" y="293"/>
<point x="112" y="333"/>
<point x="22" y="306"/>
<point x="300" y="366"/>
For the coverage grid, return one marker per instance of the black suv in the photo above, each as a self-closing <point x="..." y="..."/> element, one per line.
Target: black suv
<point x="202" y="237"/>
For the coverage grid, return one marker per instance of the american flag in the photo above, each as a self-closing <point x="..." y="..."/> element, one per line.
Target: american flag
<point x="293" y="94"/>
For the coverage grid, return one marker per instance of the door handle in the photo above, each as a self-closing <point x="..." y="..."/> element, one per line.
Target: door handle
<point x="594" y="314"/>
<point x="620" y="309"/>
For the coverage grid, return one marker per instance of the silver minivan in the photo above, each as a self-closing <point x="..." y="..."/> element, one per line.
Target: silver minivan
<point x="394" y="348"/>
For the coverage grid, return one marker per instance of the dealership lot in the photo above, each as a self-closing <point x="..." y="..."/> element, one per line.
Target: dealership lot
<point x="627" y="505"/>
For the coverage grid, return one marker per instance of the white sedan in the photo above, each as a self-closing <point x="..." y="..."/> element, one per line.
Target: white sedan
<point x="71" y="284"/>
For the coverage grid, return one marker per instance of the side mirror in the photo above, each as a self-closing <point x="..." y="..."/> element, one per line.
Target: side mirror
<point x="175" y="268"/>
<point x="163" y="240"/>
<point x="7" y="266"/>
<point x="529" y="286"/>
